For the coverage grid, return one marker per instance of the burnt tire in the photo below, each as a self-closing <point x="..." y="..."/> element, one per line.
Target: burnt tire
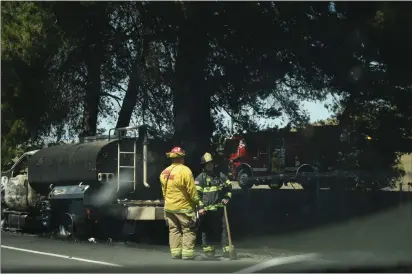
<point x="241" y="178"/>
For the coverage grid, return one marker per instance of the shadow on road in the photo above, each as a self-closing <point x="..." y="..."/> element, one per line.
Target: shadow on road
<point x="286" y="211"/>
<point x="298" y="219"/>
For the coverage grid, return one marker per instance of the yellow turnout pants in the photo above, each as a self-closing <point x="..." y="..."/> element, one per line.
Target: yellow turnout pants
<point x="182" y="239"/>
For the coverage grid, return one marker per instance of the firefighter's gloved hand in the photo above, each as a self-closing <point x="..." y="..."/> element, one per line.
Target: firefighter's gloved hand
<point x="225" y="201"/>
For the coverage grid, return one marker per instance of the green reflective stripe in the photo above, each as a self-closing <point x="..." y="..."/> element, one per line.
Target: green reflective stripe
<point x="228" y="182"/>
<point x="226" y="248"/>
<point x="212" y="189"/>
<point x="208" y="248"/>
<point x="190" y="214"/>
<point x="199" y="188"/>
<point x="229" y="194"/>
<point x="211" y="207"/>
<point x="201" y="203"/>
<point x="188" y="253"/>
<point x="176" y="251"/>
<point x="184" y="210"/>
<point x="219" y="205"/>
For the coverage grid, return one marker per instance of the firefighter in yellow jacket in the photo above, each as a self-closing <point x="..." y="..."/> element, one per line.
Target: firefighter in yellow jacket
<point x="181" y="198"/>
<point x="214" y="190"/>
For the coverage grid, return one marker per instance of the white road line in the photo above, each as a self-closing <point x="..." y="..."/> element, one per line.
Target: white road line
<point x="278" y="261"/>
<point x="59" y="256"/>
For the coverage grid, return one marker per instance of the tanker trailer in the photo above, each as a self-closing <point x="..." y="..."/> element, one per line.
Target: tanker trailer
<point x="80" y="184"/>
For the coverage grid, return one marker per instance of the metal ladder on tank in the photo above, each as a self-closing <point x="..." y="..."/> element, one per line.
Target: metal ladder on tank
<point x="119" y="153"/>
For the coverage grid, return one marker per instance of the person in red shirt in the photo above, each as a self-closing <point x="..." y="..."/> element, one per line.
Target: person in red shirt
<point x="241" y="150"/>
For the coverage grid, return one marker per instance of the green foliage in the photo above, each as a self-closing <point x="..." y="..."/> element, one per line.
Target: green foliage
<point x="27" y="103"/>
<point x="328" y="121"/>
<point x="262" y="60"/>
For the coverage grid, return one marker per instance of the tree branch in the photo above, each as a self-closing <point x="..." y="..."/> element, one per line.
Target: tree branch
<point x="224" y="109"/>
<point x="112" y="96"/>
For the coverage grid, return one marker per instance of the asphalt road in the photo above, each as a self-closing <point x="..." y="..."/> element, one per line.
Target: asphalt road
<point x="36" y="254"/>
<point x="381" y="240"/>
<point x="22" y="253"/>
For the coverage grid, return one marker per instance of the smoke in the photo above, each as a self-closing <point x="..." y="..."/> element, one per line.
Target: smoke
<point x="109" y="191"/>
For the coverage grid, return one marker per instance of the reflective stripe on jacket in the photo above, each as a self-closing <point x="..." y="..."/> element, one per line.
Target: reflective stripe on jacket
<point x="212" y="189"/>
<point x="180" y="194"/>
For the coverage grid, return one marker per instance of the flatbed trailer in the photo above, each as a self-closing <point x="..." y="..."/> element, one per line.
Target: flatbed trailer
<point x="323" y="156"/>
<point x="344" y="179"/>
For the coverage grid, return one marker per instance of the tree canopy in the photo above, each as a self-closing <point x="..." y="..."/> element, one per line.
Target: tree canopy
<point x="178" y="66"/>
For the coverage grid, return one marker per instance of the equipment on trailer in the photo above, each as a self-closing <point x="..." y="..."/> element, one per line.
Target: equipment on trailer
<point x="308" y="156"/>
<point x="72" y="187"/>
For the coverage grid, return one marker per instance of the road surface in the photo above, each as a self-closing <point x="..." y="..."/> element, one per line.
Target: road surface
<point x="23" y="253"/>
<point x="381" y="237"/>
<point x="381" y="240"/>
<point x="29" y="253"/>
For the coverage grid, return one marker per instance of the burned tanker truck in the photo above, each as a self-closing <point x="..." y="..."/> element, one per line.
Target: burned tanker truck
<point x="72" y="188"/>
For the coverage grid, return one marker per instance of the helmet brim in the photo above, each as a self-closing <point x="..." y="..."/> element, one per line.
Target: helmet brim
<point x="174" y="155"/>
<point x="204" y="163"/>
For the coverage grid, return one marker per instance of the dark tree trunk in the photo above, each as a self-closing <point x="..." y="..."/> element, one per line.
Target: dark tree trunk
<point x="129" y="101"/>
<point x="93" y="62"/>
<point x="132" y="92"/>
<point x="192" y="124"/>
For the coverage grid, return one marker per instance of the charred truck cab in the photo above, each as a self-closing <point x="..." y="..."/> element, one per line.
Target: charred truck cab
<point x="17" y="194"/>
<point x="70" y="188"/>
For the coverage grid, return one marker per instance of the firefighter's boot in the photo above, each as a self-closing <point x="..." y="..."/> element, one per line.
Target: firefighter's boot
<point x="209" y="252"/>
<point x="229" y="253"/>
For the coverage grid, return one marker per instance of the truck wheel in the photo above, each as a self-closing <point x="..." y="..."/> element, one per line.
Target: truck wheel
<point x="243" y="175"/>
<point x="307" y="184"/>
<point x="275" y="185"/>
